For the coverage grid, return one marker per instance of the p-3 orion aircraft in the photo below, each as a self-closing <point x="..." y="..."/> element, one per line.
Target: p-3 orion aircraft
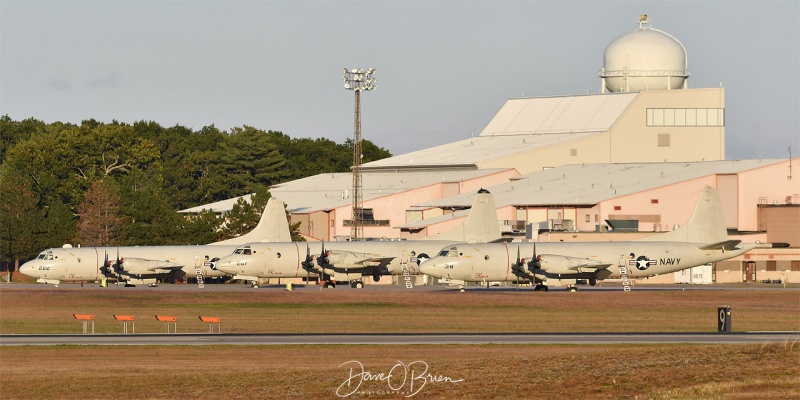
<point x="337" y="262"/>
<point x="703" y="239"/>
<point x="144" y="264"/>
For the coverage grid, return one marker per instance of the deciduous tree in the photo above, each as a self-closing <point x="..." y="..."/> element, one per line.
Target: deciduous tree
<point x="98" y="215"/>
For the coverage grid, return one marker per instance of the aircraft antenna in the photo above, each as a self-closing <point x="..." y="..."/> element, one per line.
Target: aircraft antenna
<point x="358" y="80"/>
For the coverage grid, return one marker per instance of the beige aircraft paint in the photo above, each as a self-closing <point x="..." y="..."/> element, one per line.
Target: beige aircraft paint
<point x="145" y="264"/>
<point x="703" y="239"/>
<point x="350" y="261"/>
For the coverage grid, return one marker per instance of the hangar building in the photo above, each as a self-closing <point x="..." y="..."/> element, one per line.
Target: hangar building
<point x="637" y="152"/>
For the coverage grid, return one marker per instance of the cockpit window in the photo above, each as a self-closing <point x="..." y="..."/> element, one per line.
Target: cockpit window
<point x="242" y="250"/>
<point x="450" y="252"/>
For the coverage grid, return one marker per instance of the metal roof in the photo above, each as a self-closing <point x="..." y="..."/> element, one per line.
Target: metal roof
<point x="589" y="184"/>
<point x="520" y="125"/>
<point x="470" y="153"/>
<point x="422" y="223"/>
<point x="563" y="114"/>
<point x="329" y="191"/>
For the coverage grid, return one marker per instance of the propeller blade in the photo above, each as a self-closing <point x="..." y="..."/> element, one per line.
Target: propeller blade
<point x="535" y="260"/>
<point x="322" y="260"/>
<point x="104" y="268"/>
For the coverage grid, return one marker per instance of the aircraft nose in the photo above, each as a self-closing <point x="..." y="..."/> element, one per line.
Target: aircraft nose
<point x="226" y="266"/>
<point x="29" y="269"/>
<point x="428" y="267"/>
<point x="223" y="265"/>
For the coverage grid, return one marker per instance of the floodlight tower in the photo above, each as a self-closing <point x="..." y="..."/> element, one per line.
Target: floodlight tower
<point x="358" y="80"/>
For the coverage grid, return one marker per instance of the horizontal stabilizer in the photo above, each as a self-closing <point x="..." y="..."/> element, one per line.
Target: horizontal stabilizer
<point x="727" y="245"/>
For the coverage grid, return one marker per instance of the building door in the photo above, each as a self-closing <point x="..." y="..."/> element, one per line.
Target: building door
<point x="748" y="271"/>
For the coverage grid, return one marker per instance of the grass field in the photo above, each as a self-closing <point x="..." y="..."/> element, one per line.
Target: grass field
<point x="271" y="310"/>
<point x="484" y="371"/>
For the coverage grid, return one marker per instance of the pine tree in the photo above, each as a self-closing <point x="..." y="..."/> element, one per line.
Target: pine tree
<point x="21" y="232"/>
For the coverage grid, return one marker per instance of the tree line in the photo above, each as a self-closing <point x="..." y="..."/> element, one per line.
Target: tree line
<point x="119" y="184"/>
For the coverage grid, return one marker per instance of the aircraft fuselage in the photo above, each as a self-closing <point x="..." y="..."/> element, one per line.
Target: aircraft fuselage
<point x="345" y="259"/>
<point x="84" y="263"/>
<point x="600" y="260"/>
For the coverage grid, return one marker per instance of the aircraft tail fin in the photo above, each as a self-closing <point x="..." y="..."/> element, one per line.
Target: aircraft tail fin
<point x="273" y="227"/>
<point x="481" y="224"/>
<point x="706" y="225"/>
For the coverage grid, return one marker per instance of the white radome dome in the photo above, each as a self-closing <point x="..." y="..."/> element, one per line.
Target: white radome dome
<point x="645" y="59"/>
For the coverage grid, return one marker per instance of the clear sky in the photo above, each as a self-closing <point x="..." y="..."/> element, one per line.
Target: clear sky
<point x="444" y="68"/>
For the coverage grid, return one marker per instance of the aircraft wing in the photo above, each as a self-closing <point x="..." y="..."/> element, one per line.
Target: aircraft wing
<point x="373" y="260"/>
<point x="555" y="263"/>
<point x="141" y="266"/>
<point x="342" y="258"/>
<point x="726" y="245"/>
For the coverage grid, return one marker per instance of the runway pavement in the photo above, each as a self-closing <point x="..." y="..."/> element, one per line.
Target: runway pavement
<point x="237" y="287"/>
<point x="388" y="338"/>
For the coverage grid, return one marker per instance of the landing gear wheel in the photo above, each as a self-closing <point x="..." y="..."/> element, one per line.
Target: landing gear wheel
<point x="592" y="281"/>
<point x="357" y="285"/>
<point x="540" y="288"/>
<point x="572" y="288"/>
<point x="329" y="285"/>
<point x="461" y="288"/>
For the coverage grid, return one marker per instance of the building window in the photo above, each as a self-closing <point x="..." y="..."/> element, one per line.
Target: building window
<point x="685" y="117"/>
<point x="617" y="208"/>
<point x="653" y="201"/>
<point x="663" y="140"/>
<point x="588" y="218"/>
<point x="573" y="152"/>
<point x="771" y="265"/>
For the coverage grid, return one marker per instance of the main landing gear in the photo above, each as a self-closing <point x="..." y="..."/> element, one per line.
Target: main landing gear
<point x="357" y="285"/>
<point x="540" y="288"/>
<point x="329" y="284"/>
